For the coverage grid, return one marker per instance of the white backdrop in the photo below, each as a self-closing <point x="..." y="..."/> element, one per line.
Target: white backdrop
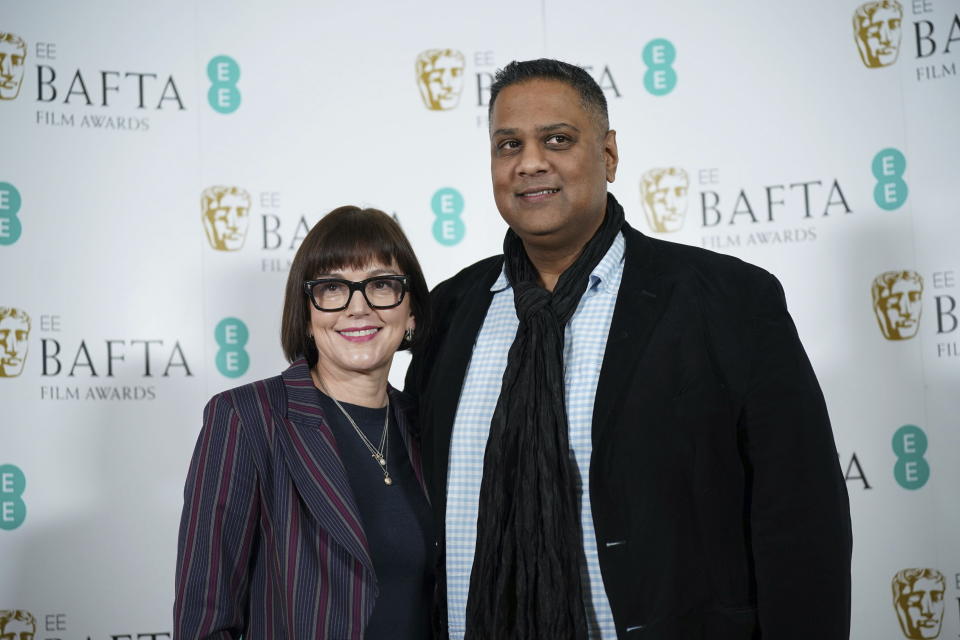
<point x="116" y="116"/>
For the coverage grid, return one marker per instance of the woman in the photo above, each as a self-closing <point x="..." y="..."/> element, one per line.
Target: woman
<point x="305" y="512"/>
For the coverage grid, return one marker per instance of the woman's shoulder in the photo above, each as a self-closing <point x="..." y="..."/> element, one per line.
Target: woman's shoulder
<point x="250" y="391"/>
<point x="249" y="400"/>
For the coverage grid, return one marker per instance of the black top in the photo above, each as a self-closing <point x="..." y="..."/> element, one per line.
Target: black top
<point x="396" y="520"/>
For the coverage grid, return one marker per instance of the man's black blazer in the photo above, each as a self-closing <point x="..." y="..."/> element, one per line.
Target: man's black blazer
<point x="719" y="504"/>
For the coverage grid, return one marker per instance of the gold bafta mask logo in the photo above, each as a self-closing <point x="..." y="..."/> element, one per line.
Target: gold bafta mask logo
<point x="918" y="601"/>
<point x="226" y="215"/>
<point x="664" y="196"/>
<point x="13" y="55"/>
<point x="440" y="78"/>
<point x="14" y="340"/>
<point x="17" y="625"/>
<point x="897" y="303"/>
<point x="876" y="30"/>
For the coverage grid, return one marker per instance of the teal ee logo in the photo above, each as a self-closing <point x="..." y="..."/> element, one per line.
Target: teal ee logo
<point x="909" y="444"/>
<point x="232" y="335"/>
<point x="447" y="205"/>
<point x="888" y="167"/>
<point x="13" y="510"/>
<point x="660" y="78"/>
<point x="223" y="96"/>
<point x="9" y="208"/>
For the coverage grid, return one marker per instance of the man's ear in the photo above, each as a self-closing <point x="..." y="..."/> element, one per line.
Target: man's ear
<point x="610" y="154"/>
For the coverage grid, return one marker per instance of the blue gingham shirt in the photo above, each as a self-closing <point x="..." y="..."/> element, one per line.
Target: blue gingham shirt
<point x="585" y="340"/>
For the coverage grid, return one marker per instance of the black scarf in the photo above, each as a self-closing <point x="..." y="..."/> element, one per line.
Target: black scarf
<point x="526" y="581"/>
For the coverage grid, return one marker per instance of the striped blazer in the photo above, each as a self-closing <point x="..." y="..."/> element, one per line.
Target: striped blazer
<point x="271" y="544"/>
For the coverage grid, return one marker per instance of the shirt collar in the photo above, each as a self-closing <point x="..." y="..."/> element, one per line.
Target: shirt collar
<point x="599" y="277"/>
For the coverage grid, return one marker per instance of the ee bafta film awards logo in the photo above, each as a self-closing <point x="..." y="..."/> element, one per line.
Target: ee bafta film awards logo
<point x="223" y="95"/>
<point x="13" y="55"/>
<point x="14" y="341"/>
<point x="17" y="624"/>
<point x="447" y="205"/>
<point x="663" y="193"/>
<point x="440" y="74"/>
<point x="13" y="510"/>
<point x="897" y="303"/>
<point x="660" y="77"/>
<point x="918" y="599"/>
<point x="232" y="335"/>
<point x="226" y="216"/>
<point x="10" y="202"/>
<point x="877" y="27"/>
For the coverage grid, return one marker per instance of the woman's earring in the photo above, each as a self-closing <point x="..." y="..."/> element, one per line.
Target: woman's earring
<point x="409" y="334"/>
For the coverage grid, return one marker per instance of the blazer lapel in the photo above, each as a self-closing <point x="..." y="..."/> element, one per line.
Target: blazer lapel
<point x="640" y="303"/>
<point x="314" y="464"/>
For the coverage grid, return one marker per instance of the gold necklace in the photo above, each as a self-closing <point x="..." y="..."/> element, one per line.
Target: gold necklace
<point x="378" y="454"/>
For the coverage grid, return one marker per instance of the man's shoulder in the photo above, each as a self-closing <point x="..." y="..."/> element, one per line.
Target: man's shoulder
<point x="489" y="267"/>
<point x="480" y="274"/>
<point x="674" y="259"/>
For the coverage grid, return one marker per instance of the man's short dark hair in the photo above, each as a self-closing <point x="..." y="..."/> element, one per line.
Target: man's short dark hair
<point x="348" y="238"/>
<point x="591" y="95"/>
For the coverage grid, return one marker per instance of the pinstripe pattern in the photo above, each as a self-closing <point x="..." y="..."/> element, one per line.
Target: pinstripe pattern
<point x="271" y="544"/>
<point x="585" y="339"/>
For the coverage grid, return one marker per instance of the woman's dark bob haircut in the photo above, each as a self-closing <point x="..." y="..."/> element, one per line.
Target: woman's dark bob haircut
<point x="348" y="238"/>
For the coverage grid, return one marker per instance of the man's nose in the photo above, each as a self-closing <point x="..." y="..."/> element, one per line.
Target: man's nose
<point x="533" y="161"/>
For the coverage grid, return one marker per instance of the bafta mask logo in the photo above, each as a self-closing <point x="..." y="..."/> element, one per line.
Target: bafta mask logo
<point x="14" y="340"/>
<point x="876" y="30"/>
<point x="897" y="303"/>
<point x="13" y="54"/>
<point x="226" y="215"/>
<point x="440" y="78"/>
<point x="664" y="195"/>
<point x="17" y="625"/>
<point x="918" y="601"/>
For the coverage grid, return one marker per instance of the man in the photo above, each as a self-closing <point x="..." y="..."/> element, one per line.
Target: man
<point x="226" y="214"/>
<point x="623" y="437"/>
<point x="918" y="601"/>
<point x="876" y="30"/>
<point x="897" y="303"/>
<point x="14" y="341"/>
<point x="440" y="78"/>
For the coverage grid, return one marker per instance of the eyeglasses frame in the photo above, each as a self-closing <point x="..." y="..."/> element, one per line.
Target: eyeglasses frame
<point x="355" y="286"/>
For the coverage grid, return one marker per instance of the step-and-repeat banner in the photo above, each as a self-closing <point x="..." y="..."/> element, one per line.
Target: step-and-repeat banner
<point x="161" y="162"/>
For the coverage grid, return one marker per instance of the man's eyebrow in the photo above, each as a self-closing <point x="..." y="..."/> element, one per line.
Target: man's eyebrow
<point x="546" y="128"/>
<point x="556" y="126"/>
